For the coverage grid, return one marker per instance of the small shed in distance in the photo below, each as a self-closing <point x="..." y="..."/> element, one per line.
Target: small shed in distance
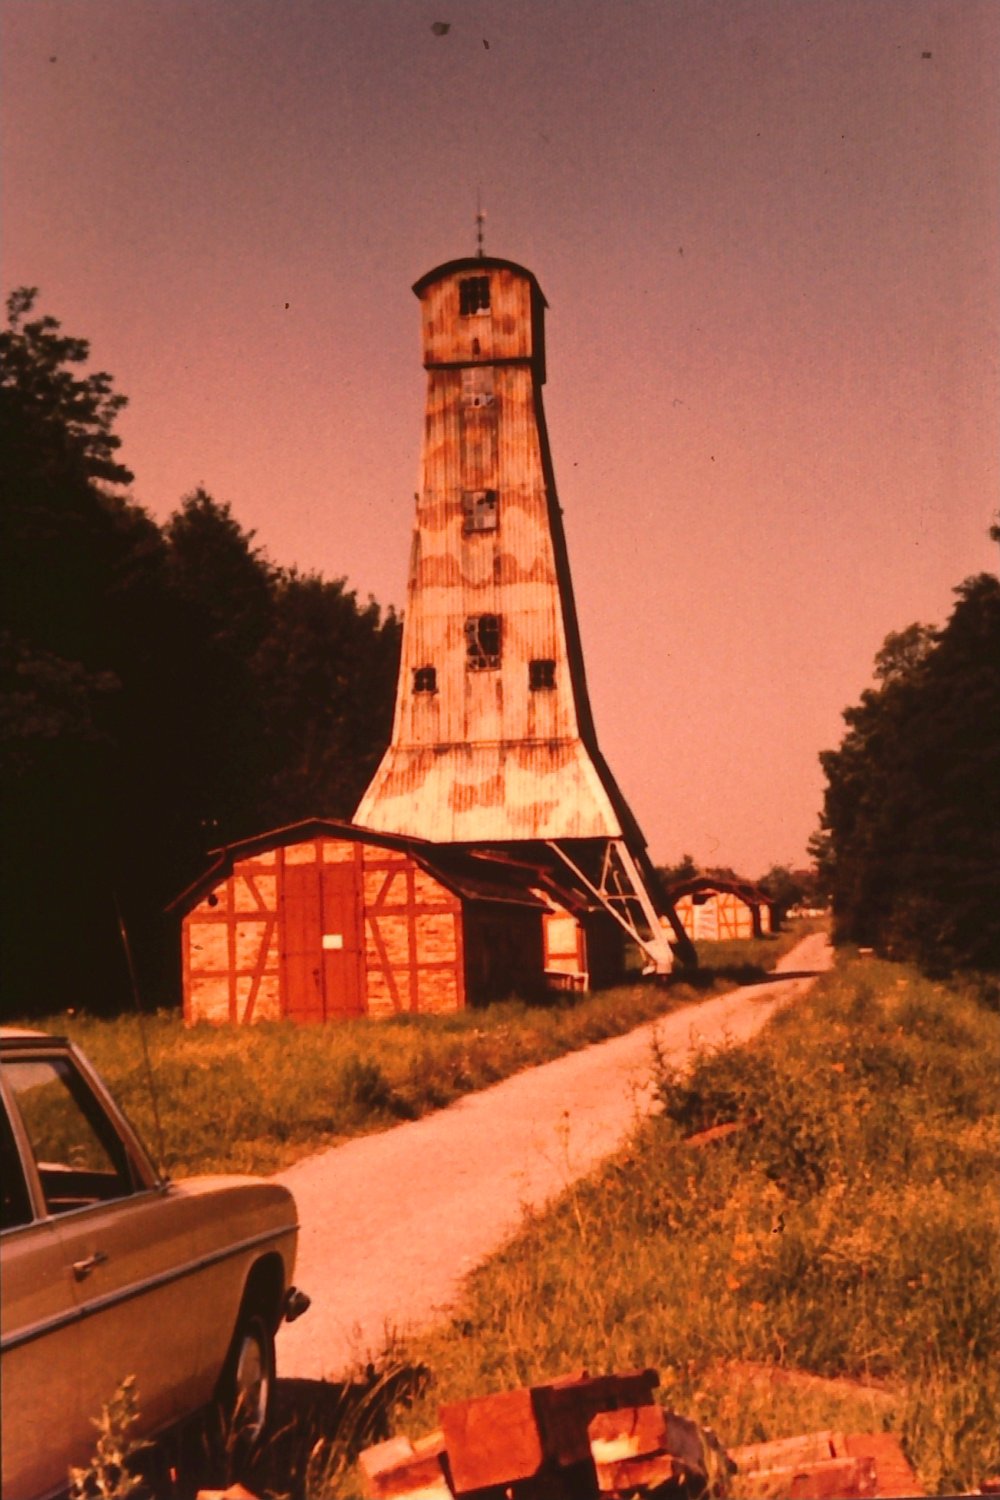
<point x="712" y="910"/>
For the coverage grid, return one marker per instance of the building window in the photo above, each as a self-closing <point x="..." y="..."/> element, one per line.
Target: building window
<point x="541" y="674"/>
<point x="477" y="385"/>
<point x="474" y="295"/>
<point x="425" y="679"/>
<point x="480" y="510"/>
<point x="482" y="642"/>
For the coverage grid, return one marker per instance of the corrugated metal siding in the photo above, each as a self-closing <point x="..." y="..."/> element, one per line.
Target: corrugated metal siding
<point x="489" y="793"/>
<point x="485" y="756"/>
<point x="506" y="331"/>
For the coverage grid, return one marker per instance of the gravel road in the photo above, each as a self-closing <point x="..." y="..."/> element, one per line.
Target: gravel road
<point x="392" y="1222"/>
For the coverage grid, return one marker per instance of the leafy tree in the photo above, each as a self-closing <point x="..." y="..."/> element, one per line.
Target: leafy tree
<point x="84" y="628"/>
<point x="785" y="888"/>
<point x="220" y="574"/>
<point x="911" y="823"/>
<point x="161" y="690"/>
<point x="54" y="422"/>
<point x="685" y="869"/>
<point x="327" y="671"/>
<point x="223" y="588"/>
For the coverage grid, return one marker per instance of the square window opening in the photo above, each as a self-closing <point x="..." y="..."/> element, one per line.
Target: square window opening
<point x="477" y="385"/>
<point x="482" y="642"/>
<point x="79" y="1156"/>
<point x="480" y="510"/>
<point x="541" y="674"/>
<point x="474" y="295"/>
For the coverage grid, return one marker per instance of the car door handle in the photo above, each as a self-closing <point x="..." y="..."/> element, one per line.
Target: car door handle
<point x="83" y="1268"/>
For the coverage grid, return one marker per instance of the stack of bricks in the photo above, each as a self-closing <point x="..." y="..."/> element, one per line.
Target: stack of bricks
<point x="603" y="1439"/>
<point x="825" y="1466"/>
<point x="578" y="1438"/>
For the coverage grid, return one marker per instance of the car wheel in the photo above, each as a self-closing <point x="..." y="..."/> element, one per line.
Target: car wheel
<point x="246" y="1387"/>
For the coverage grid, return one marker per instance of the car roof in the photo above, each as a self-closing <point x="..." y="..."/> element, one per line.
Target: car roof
<point x="15" y="1036"/>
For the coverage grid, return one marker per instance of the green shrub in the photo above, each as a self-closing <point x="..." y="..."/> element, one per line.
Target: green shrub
<point x="848" y="1231"/>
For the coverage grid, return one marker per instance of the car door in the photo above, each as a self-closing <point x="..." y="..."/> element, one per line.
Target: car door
<point x="37" y="1377"/>
<point x="126" y="1245"/>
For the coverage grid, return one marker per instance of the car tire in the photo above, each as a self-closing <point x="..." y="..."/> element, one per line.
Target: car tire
<point x="248" y="1379"/>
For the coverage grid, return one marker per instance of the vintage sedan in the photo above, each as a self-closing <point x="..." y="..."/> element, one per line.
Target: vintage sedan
<point x="109" y="1270"/>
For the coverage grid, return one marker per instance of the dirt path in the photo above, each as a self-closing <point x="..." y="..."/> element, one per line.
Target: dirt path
<point x="392" y="1222"/>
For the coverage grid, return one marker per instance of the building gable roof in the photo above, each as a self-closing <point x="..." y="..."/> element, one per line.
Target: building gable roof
<point x="707" y="885"/>
<point x="463" y="873"/>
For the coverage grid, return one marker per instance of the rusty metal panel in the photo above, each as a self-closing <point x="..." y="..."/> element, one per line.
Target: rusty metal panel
<point x="490" y="793"/>
<point x="504" y="330"/>
<point x="480" y="748"/>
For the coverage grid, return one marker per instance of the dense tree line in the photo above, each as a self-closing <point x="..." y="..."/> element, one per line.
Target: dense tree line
<point x="910" y="837"/>
<point x="162" y="689"/>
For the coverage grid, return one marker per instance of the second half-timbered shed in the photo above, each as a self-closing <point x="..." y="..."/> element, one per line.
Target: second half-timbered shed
<point x="713" y="910"/>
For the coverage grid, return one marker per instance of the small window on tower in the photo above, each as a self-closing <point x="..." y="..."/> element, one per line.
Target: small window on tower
<point x="425" y="679"/>
<point x="477" y="385"/>
<point x="482" y="642"/>
<point x="474" y="295"/>
<point x="541" y="674"/>
<point x="480" y="510"/>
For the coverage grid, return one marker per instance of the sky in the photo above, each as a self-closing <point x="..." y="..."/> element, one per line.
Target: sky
<point x="767" y="231"/>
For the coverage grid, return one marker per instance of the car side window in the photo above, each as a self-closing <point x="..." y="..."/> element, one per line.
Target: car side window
<point x="81" y="1159"/>
<point x="15" y="1202"/>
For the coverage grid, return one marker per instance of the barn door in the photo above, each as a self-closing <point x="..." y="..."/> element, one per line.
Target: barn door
<point x="301" y="929"/>
<point x="342" y="958"/>
<point x="321" y="959"/>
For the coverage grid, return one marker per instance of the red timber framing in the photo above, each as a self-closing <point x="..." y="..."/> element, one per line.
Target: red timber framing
<point x="323" y="929"/>
<point x="713" y="910"/>
<point x="323" y="921"/>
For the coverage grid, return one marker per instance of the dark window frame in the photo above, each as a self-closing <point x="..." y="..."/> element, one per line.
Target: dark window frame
<point x="541" y="674"/>
<point x="85" y="1184"/>
<point x="483" y="642"/>
<point x="473" y="296"/>
<point x="425" y="679"/>
<point x="478" y="387"/>
<point x="16" y="1209"/>
<point x="480" y="511"/>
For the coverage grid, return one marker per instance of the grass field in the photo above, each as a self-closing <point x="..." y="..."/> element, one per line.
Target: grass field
<point x="834" y="1264"/>
<point x="256" y="1098"/>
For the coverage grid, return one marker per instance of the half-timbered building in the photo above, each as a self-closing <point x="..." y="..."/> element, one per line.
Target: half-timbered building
<point x="324" y="921"/>
<point x="713" y="910"/>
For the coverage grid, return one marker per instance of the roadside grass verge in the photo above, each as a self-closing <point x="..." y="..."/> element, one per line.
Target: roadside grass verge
<point x="256" y="1098"/>
<point x="833" y="1264"/>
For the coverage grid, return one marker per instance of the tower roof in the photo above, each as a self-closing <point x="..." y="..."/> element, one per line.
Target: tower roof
<point x="477" y="263"/>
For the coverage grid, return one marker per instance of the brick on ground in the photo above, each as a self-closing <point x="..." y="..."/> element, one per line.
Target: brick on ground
<point x="526" y="1434"/>
<point x="823" y="1465"/>
<point x="405" y="1467"/>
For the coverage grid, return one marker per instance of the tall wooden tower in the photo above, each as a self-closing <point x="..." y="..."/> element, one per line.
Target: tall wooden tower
<point x="493" y="741"/>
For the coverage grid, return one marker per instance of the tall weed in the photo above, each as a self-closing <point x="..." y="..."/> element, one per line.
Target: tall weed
<point x="844" y="1239"/>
